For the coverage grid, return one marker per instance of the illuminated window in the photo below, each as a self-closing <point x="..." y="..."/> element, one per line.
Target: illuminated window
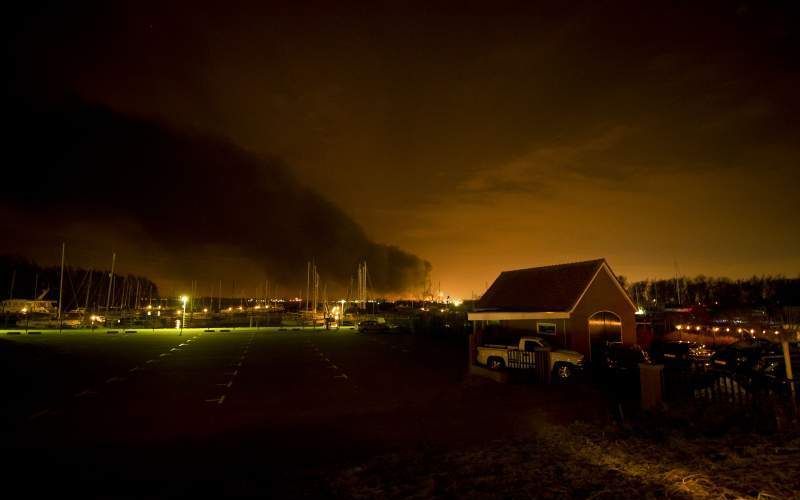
<point x="546" y="328"/>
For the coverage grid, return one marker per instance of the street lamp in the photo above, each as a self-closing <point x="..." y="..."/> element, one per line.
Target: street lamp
<point x="184" y="299"/>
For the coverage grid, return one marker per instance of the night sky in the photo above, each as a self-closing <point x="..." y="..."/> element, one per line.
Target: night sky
<point x="238" y="141"/>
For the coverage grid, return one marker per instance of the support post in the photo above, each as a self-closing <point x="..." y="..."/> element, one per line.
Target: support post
<point x="651" y="380"/>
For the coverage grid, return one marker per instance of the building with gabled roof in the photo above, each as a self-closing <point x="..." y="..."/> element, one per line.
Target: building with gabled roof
<point x="579" y="306"/>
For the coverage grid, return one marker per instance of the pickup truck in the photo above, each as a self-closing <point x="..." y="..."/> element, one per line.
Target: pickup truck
<point x="564" y="364"/>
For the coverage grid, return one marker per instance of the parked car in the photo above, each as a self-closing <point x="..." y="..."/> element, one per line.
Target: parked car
<point x="622" y="359"/>
<point x="371" y="326"/>
<point x="770" y="369"/>
<point x="565" y="364"/>
<point x="681" y="353"/>
<point x="741" y="357"/>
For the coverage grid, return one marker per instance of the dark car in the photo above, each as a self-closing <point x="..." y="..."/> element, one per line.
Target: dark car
<point x="682" y="353"/>
<point x="742" y="357"/>
<point x="770" y="369"/>
<point x="623" y="359"/>
<point x="371" y="326"/>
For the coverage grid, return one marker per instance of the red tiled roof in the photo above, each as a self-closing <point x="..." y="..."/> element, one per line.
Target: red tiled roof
<point x="539" y="289"/>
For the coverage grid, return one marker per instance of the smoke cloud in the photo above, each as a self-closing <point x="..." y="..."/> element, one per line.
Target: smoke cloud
<point x="177" y="206"/>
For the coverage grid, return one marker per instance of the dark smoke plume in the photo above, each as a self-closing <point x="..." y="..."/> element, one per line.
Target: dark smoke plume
<point x="177" y="206"/>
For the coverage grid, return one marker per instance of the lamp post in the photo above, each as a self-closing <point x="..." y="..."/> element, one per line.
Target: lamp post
<point x="184" y="299"/>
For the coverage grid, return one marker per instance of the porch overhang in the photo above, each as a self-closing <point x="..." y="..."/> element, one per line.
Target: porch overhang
<point x="515" y="315"/>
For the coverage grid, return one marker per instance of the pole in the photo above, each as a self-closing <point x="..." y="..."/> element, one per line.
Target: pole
<point x="136" y="300"/>
<point x="110" y="283"/>
<point x="61" y="285"/>
<point x="184" y="318"/>
<point x="88" y="288"/>
<point x="308" y="282"/>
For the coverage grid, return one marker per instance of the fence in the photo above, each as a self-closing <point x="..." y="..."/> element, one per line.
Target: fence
<point x="752" y="396"/>
<point x="537" y="362"/>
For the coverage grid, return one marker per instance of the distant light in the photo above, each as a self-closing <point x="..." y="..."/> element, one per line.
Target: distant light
<point x="640" y="312"/>
<point x="679" y="327"/>
<point x="697" y="328"/>
<point x="205" y="309"/>
<point x="715" y="329"/>
<point x="184" y="299"/>
<point x="727" y="329"/>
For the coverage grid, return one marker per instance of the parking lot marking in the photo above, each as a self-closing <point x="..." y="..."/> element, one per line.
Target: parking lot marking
<point x="218" y="400"/>
<point x="85" y="392"/>
<point x="115" y="379"/>
<point x="134" y="369"/>
<point x="39" y="414"/>
<point x="341" y="376"/>
<point x="150" y="361"/>
<point x="227" y="384"/>
<point x="233" y="373"/>
<point x="163" y="354"/>
<point x="334" y="367"/>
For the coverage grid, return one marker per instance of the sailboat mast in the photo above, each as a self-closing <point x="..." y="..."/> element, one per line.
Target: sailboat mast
<point x="308" y="282"/>
<point x="111" y="281"/>
<point x="88" y="289"/>
<point x="61" y="284"/>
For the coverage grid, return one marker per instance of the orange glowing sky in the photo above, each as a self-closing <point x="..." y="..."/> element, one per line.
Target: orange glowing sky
<point x="484" y="139"/>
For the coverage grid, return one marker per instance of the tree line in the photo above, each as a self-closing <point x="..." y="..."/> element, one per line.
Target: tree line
<point x="756" y="292"/>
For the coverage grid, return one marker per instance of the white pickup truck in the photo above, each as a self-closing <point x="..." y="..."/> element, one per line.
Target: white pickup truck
<point x="564" y="363"/>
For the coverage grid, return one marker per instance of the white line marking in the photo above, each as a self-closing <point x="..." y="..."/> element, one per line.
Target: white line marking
<point x="85" y="392"/>
<point x="150" y="361"/>
<point x="334" y="367"/>
<point x="218" y="400"/>
<point x="163" y="354"/>
<point x="228" y="384"/>
<point x="39" y="414"/>
<point x="233" y="373"/>
<point x="115" y="379"/>
<point x="342" y="376"/>
<point x="134" y="369"/>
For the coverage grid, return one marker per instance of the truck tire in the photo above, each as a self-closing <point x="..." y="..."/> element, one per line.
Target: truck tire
<point x="562" y="372"/>
<point x="495" y="363"/>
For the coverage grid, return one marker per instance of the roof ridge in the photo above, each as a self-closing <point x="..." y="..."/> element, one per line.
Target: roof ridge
<point x="565" y="264"/>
